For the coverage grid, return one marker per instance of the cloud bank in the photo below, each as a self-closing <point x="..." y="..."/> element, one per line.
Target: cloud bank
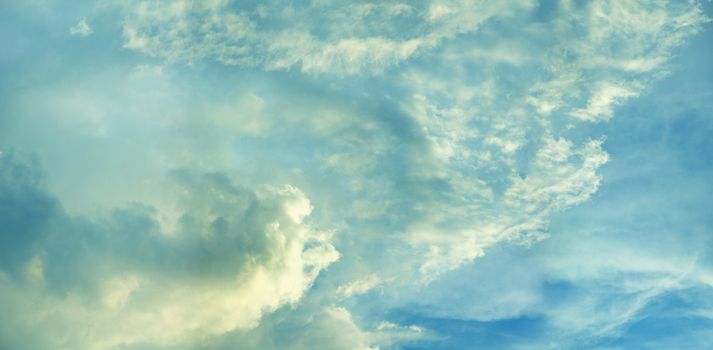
<point x="232" y="255"/>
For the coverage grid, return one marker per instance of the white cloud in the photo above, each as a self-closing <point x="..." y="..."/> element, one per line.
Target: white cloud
<point x="359" y="286"/>
<point x="365" y="41"/>
<point x="338" y="320"/>
<point x="616" y="279"/>
<point x="236" y="255"/>
<point x="500" y="148"/>
<point x="81" y="29"/>
<point x="601" y="103"/>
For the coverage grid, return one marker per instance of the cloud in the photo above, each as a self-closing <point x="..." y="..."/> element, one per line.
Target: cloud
<point x="360" y="286"/>
<point x="601" y="103"/>
<point x="235" y="255"/>
<point x="367" y="40"/>
<point x="322" y="327"/>
<point x="501" y="146"/>
<point x="479" y="161"/>
<point x="615" y="270"/>
<point x="426" y="135"/>
<point x="81" y="29"/>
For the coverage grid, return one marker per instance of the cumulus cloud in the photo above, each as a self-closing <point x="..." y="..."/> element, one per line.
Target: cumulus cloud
<point x="235" y="254"/>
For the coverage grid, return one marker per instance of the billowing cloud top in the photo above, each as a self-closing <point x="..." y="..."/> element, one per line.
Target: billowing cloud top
<point x="340" y="175"/>
<point x="232" y="255"/>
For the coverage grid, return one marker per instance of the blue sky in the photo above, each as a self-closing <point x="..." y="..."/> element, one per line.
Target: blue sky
<point x="322" y="174"/>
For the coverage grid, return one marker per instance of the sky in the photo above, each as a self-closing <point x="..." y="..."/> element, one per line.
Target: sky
<point x="353" y="175"/>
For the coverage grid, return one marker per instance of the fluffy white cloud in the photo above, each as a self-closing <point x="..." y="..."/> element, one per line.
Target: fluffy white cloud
<point x="235" y="255"/>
